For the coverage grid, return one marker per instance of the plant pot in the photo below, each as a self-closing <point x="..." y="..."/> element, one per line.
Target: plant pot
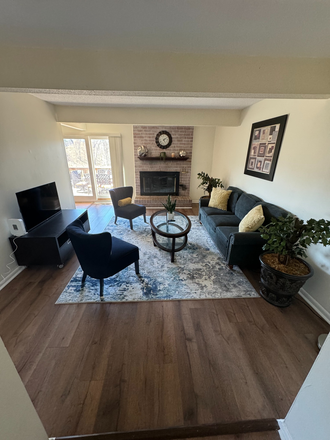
<point x="169" y="216"/>
<point x="279" y="288"/>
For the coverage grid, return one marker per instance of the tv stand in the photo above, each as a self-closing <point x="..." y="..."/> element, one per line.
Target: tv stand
<point x="48" y="243"/>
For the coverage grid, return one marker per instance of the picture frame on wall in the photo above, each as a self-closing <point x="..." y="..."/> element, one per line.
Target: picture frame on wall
<point x="264" y="147"/>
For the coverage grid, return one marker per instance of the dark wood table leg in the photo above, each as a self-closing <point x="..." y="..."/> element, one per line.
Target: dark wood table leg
<point x="173" y="249"/>
<point x="153" y="237"/>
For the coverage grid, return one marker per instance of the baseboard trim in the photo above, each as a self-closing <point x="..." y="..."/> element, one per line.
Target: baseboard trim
<point x="184" y="432"/>
<point x="283" y="431"/>
<point x="11" y="276"/>
<point x="315" y="305"/>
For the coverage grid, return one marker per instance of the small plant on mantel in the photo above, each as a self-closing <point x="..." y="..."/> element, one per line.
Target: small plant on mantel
<point x="208" y="183"/>
<point x="288" y="238"/>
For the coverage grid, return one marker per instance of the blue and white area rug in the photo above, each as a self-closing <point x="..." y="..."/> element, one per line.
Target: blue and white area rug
<point x="199" y="271"/>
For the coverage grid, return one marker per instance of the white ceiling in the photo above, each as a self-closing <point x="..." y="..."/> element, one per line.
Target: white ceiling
<point x="147" y="101"/>
<point x="288" y="28"/>
<point x="272" y="28"/>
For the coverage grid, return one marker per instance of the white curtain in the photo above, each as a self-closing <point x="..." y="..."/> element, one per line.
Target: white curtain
<point x="116" y="155"/>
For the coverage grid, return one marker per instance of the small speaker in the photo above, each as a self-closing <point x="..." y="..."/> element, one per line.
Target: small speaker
<point x="16" y="226"/>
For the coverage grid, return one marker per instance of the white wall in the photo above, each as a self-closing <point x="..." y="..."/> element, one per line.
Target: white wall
<point x="202" y="150"/>
<point x="201" y="159"/>
<point x="308" y="417"/>
<point x="126" y="131"/>
<point x="302" y="179"/>
<point x="18" y="418"/>
<point x="32" y="153"/>
<point x="147" y="116"/>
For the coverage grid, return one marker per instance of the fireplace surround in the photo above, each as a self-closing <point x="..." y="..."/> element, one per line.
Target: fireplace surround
<point x="159" y="183"/>
<point x="182" y="140"/>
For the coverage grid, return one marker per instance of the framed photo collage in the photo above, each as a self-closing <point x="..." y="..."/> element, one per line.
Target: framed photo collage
<point x="264" y="147"/>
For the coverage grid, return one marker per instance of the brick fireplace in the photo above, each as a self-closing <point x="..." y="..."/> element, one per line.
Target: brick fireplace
<point x="182" y="139"/>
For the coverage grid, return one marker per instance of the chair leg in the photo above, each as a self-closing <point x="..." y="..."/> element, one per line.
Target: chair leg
<point x="131" y="224"/>
<point x="145" y="218"/>
<point x="115" y="220"/>
<point x="137" y="269"/>
<point x="83" y="279"/>
<point x="101" y="287"/>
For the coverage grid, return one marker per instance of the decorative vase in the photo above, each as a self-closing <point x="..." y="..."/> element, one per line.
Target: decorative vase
<point x="142" y="151"/>
<point x="162" y="155"/>
<point x="169" y="216"/>
<point x="279" y="288"/>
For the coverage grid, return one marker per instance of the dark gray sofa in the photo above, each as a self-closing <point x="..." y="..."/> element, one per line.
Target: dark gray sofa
<point x="241" y="248"/>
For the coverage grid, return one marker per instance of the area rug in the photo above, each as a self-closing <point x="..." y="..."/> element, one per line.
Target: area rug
<point x="199" y="271"/>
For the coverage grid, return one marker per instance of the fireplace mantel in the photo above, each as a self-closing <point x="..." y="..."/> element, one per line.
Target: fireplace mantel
<point x="159" y="158"/>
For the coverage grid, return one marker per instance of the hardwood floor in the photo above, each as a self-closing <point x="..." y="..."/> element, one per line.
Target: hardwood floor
<point x="92" y="368"/>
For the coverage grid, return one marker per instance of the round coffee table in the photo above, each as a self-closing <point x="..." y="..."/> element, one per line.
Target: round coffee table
<point x="171" y="236"/>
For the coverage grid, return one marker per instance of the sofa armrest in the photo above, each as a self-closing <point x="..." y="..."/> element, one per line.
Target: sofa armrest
<point x="204" y="202"/>
<point x="244" y="249"/>
<point x="246" y="239"/>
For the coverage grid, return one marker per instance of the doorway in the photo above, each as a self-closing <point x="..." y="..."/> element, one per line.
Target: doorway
<point x="90" y="167"/>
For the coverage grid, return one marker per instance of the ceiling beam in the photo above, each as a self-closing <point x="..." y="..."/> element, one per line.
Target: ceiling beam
<point x="103" y="71"/>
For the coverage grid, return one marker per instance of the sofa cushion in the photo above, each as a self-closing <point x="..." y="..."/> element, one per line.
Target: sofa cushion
<point x="219" y="198"/>
<point x="222" y="220"/>
<point x="253" y="220"/>
<point x="234" y="196"/>
<point x="215" y="211"/>
<point x="271" y="210"/>
<point x="244" y="204"/>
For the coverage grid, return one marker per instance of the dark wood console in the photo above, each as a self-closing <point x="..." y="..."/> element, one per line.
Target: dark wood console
<point x="48" y="243"/>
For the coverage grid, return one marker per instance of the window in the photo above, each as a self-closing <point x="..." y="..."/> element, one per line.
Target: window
<point x="90" y="166"/>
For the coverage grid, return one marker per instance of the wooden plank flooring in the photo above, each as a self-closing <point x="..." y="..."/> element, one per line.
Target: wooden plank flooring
<point x="92" y="368"/>
<point x="206" y="431"/>
<point x="271" y="435"/>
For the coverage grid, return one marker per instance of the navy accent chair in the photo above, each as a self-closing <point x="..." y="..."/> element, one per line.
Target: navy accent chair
<point x="101" y="255"/>
<point x="129" y="211"/>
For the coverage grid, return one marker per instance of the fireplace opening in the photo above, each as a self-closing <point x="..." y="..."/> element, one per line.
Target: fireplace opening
<point x="159" y="183"/>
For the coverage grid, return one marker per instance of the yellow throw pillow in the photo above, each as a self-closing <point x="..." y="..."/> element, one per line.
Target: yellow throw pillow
<point x="219" y="198"/>
<point x="253" y="220"/>
<point x="124" y="202"/>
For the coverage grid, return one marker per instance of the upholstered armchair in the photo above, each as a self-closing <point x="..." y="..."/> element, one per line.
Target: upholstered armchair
<point x="101" y="255"/>
<point x="129" y="211"/>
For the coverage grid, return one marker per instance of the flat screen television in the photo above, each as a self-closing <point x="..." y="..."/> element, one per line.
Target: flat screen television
<point x="38" y="204"/>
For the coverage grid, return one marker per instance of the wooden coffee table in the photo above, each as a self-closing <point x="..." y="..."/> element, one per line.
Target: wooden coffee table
<point x="170" y="236"/>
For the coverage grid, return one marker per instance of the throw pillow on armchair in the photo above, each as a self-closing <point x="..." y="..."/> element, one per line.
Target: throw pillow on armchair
<point x="124" y="202"/>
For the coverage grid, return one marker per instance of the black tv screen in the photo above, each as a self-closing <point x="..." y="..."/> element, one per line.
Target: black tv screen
<point x="38" y="204"/>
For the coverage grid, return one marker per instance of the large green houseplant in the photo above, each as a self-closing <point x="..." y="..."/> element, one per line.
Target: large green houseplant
<point x="208" y="183"/>
<point x="283" y="272"/>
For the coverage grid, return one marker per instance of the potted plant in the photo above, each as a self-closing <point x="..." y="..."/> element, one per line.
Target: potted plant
<point x="208" y="183"/>
<point x="283" y="272"/>
<point x="170" y="208"/>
